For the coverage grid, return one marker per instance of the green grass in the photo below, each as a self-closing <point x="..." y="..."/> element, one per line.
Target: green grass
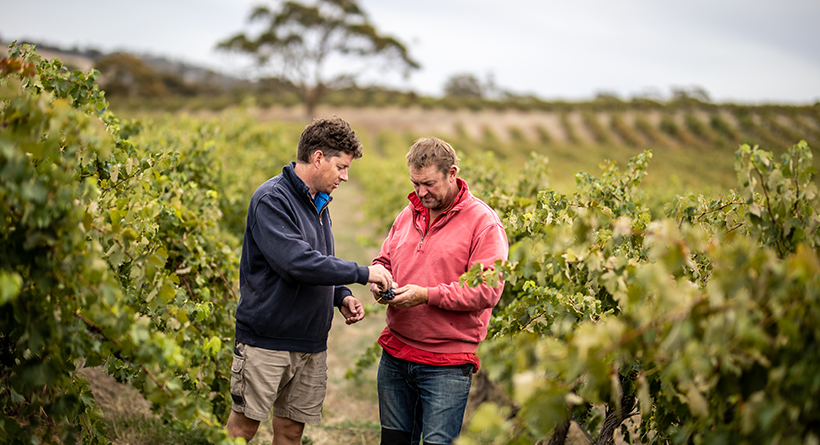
<point x="150" y="430"/>
<point x="364" y="432"/>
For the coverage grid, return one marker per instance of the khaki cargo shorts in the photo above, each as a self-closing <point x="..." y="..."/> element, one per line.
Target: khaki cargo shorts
<point x="293" y="383"/>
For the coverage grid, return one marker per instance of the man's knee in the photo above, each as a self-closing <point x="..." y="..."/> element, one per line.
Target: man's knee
<point x="289" y="429"/>
<point x="240" y="426"/>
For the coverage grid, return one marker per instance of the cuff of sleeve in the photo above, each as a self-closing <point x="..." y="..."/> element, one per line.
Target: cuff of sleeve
<point x="433" y="296"/>
<point x="340" y="297"/>
<point x="364" y="274"/>
<point x="338" y="303"/>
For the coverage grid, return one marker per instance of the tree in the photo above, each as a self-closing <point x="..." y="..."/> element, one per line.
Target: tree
<point x="301" y="41"/>
<point x="691" y="94"/>
<point x="464" y="85"/>
<point x="127" y="75"/>
<point x="467" y="85"/>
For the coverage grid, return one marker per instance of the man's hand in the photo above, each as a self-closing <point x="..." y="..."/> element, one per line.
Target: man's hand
<point x="376" y="292"/>
<point x="352" y="309"/>
<point x="409" y="296"/>
<point x="380" y="276"/>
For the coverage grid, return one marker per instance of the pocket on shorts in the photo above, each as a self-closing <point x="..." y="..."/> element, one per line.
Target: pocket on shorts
<point x="238" y="377"/>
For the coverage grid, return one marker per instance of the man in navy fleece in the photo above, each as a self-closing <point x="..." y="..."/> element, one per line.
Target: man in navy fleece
<point x="290" y="281"/>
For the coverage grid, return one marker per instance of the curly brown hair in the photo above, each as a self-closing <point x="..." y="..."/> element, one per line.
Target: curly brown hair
<point x="330" y="135"/>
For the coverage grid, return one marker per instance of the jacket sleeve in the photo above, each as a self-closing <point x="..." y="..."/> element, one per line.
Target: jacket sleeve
<point x="339" y="294"/>
<point x="490" y="245"/>
<point x="280" y="240"/>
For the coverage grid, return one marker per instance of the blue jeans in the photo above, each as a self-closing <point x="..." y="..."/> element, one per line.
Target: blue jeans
<point x="418" y="401"/>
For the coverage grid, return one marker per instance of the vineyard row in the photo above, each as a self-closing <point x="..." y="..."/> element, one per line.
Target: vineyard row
<point x="653" y="128"/>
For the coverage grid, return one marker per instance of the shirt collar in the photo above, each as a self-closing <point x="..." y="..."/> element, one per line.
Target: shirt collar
<point x="320" y="200"/>
<point x="419" y="207"/>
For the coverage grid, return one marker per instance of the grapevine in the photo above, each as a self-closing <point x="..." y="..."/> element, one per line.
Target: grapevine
<point x="112" y="257"/>
<point x="674" y="318"/>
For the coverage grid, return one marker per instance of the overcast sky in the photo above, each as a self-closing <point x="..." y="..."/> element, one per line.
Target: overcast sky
<point x="749" y="51"/>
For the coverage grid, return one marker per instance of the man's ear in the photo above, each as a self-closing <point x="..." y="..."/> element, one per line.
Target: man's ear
<point x="452" y="172"/>
<point x="316" y="158"/>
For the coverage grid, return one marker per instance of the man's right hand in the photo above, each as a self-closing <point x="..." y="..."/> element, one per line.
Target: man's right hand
<point x="380" y="276"/>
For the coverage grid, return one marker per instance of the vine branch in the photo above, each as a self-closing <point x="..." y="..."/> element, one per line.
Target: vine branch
<point x="147" y="372"/>
<point x="116" y="241"/>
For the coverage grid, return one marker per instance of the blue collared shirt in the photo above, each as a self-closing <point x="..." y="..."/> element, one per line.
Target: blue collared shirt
<point x="320" y="200"/>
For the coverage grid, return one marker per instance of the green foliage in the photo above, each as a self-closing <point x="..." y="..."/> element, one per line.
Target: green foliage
<point x="367" y="359"/>
<point x="149" y="430"/>
<point x="544" y="136"/>
<point x="624" y="131"/>
<point x="670" y="127"/>
<point x="235" y="155"/>
<point x="756" y="134"/>
<point x="701" y="131"/>
<point x="112" y="256"/>
<point x="650" y="132"/>
<point x="722" y="127"/>
<point x="783" y="213"/>
<point x="349" y="432"/>
<point x="707" y="321"/>
<point x="385" y="180"/>
<point x="600" y="133"/>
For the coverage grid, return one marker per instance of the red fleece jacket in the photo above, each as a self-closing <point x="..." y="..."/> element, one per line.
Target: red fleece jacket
<point x="455" y="318"/>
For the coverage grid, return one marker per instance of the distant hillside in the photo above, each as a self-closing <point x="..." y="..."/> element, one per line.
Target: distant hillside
<point x="85" y="59"/>
<point x="774" y="128"/>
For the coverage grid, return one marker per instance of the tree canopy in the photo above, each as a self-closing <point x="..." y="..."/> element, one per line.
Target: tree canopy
<point x="464" y="85"/>
<point x="302" y="44"/>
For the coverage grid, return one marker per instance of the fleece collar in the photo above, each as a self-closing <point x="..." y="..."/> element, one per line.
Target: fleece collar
<point x="463" y="190"/>
<point x="302" y="189"/>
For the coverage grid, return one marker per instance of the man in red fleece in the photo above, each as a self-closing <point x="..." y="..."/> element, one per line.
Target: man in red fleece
<point x="434" y="325"/>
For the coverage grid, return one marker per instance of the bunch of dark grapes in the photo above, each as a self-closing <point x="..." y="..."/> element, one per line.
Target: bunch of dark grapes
<point x="387" y="294"/>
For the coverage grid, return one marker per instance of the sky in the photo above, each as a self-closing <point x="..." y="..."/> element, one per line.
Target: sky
<point x="745" y="51"/>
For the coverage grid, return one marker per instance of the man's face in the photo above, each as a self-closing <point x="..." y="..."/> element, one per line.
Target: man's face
<point x="332" y="171"/>
<point x="434" y="188"/>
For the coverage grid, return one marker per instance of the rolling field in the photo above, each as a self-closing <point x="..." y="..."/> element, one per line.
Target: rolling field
<point x="693" y="147"/>
<point x="692" y="151"/>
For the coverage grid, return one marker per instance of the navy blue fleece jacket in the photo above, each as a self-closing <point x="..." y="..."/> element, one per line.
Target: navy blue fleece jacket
<point x="289" y="278"/>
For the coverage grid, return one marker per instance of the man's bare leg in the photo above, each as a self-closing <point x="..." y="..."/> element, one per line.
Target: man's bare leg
<point x="240" y="426"/>
<point x="286" y="431"/>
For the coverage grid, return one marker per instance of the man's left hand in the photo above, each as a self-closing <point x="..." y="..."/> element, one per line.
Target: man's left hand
<point x="409" y="296"/>
<point x="352" y="310"/>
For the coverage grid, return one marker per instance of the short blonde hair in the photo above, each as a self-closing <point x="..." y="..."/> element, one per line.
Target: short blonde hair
<point x="432" y="151"/>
